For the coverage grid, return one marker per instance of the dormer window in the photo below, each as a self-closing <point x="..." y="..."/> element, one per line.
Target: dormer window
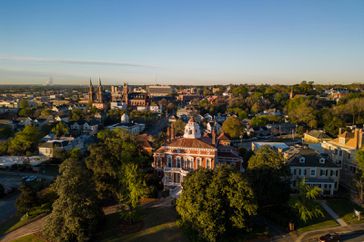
<point x="302" y="160"/>
<point x="322" y="160"/>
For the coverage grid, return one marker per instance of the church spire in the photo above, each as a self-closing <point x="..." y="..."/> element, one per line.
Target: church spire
<point x="91" y="93"/>
<point x="100" y="93"/>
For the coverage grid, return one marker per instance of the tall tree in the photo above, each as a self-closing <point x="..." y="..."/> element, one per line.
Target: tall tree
<point x="269" y="176"/>
<point x="132" y="190"/>
<point x="302" y="110"/>
<point x="216" y="202"/>
<point x="107" y="157"/>
<point x="359" y="176"/>
<point x="233" y="127"/>
<point x="27" y="199"/>
<point x="60" y="129"/>
<point x="75" y="213"/>
<point x="25" y="141"/>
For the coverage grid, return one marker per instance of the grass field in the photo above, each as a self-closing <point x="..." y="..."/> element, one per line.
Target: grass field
<point x="29" y="238"/>
<point x="159" y="224"/>
<point x="318" y="223"/>
<point x="345" y="209"/>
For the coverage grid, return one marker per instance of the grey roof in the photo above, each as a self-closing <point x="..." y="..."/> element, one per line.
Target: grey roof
<point x="312" y="159"/>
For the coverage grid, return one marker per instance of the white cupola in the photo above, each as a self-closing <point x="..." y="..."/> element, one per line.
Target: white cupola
<point x="192" y="130"/>
<point x="124" y="118"/>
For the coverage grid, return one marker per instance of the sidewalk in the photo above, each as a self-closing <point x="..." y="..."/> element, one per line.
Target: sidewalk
<point x="332" y="213"/>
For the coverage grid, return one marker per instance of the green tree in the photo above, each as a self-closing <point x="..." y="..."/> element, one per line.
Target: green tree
<point x="359" y="176"/>
<point x="75" y="213"/>
<point x="76" y="114"/>
<point x="107" y="157"/>
<point x="302" y="110"/>
<point x="61" y="129"/>
<point x="179" y="127"/>
<point x="239" y="91"/>
<point x="4" y="147"/>
<point x="25" y="142"/>
<point x="27" y="199"/>
<point x="269" y="176"/>
<point x="6" y="131"/>
<point x="132" y="190"/>
<point x="233" y="127"/>
<point x="239" y="112"/>
<point x="215" y="202"/>
<point x="305" y="203"/>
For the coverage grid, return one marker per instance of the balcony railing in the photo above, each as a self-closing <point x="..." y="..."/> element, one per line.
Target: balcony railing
<point x="176" y="169"/>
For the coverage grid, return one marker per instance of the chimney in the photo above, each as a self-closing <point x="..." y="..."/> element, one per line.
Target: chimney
<point x="173" y="135"/>
<point x="360" y="141"/>
<point x="356" y="137"/>
<point x="213" y="137"/>
<point x="340" y="131"/>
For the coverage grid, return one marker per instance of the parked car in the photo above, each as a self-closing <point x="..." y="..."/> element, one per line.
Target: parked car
<point x="330" y="237"/>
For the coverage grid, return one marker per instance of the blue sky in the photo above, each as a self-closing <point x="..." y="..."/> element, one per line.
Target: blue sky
<point x="182" y="42"/>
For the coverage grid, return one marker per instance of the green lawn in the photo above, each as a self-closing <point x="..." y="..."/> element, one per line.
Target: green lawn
<point x="318" y="223"/>
<point x="345" y="209"/>
<point x="159" y="224"/>
<point x="28" y="238"/>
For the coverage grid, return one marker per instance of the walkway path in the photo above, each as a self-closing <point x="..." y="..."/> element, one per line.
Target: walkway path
<point x="332" y="213"/>
<point x="27" y="229"/>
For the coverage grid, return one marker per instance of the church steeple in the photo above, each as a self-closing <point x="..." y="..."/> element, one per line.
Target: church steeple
<point x="100" y="94"/>
<point x="91" y="92"/>
<point x="125" y="93"/>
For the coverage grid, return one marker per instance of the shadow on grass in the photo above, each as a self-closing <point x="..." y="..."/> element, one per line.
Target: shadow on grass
<point x="159" y="224"/>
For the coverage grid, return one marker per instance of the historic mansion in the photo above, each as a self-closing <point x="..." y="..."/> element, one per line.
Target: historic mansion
<point x="179" y="156"/>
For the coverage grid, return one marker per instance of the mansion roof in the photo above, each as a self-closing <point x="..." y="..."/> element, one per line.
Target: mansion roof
<point x="203" y="143"/>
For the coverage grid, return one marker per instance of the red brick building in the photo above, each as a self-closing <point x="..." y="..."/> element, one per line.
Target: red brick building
<point x="180" y="156"/>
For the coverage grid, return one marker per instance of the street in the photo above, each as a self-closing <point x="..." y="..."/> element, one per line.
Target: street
<point x="13" y="180"/>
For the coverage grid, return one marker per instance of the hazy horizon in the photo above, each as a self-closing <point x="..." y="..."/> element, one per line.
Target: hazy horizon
<point x="189" y="42"/>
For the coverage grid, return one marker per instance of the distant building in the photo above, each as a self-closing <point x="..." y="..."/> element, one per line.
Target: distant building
<point x="315" y="136"/>
<point x="97" y="98"/>
<point x="342" y="151"/>
<point x="159" y="90"/>
<point x="130" y="127"/>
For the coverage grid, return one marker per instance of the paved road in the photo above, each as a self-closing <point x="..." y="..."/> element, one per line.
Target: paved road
<point x="12" y="180"/>
<point x="7" y="207"/>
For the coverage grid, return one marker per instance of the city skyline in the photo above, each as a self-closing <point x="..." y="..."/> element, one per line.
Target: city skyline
<point x="167" y="42"/>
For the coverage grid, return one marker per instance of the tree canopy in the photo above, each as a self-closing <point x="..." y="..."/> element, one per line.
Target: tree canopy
<point x="233" y="127"/>
<point x="269" y="177"/>
<point x="224" y="202"/>
<point x="25" y="142"/>
<point x="75" y="213"/>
